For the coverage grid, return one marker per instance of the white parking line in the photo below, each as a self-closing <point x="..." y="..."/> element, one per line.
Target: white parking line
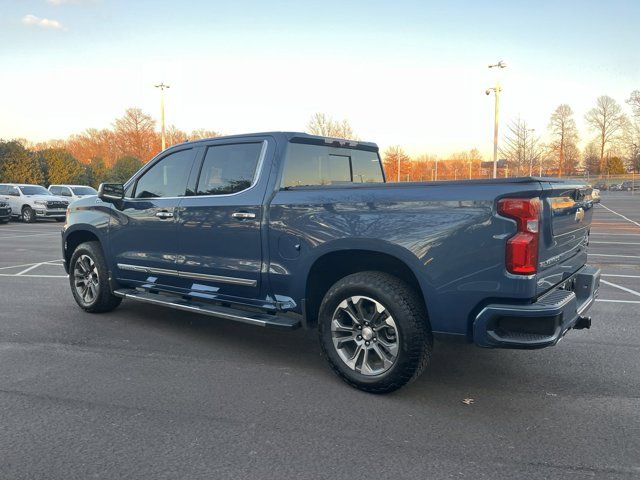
<point x="28" y="235"/>
<point x="614" y="243"/>
<point x="616" y="234"/>
<point x="32" y="276"/>
<point x="617" y="301"/>
<point x="29" y="264"/>
<point x="628" y="290"/>
<point x="609" y="255"/>
<point x="28" y="269"/>
<point x="618" y="275"/>
<point x="620" y="215"/>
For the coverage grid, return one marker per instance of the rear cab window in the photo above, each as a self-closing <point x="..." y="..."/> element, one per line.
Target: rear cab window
<point x="314" y="165"/>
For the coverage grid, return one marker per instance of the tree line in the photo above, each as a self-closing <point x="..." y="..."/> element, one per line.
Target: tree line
<point x="114" y="154"/>
<point x="613" y="146"/>
<point x="93" y="156"/>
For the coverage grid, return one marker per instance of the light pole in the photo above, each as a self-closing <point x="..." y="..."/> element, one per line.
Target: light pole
<point x="496" y="91"/>
<point x="162" y="88"/>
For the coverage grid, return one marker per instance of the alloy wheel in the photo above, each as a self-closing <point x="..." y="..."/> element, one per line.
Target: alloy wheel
<point x="365" y="335"/>
<point x="85" y="276"/>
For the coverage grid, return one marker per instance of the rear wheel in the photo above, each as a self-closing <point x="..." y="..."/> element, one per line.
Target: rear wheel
<point x="89" y="279"/>
<point x="374" y="331"/>
<point x="28" y="215"/>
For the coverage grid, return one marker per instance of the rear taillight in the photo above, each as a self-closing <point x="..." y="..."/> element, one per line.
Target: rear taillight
<point x="522" y="248"/>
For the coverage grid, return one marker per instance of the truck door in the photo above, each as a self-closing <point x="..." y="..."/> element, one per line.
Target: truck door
<point x="219" y="224"/>
<point x="142" y="232"/>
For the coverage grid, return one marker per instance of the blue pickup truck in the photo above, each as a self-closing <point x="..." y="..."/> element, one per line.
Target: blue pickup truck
<point x="282" y="230"/>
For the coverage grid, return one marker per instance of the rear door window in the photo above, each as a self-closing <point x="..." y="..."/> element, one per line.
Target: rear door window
<point x="229" y="168"/>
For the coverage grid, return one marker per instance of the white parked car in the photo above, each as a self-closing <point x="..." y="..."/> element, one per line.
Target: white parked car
<point x="33" y="201"/>
<point x="72" y="192"/>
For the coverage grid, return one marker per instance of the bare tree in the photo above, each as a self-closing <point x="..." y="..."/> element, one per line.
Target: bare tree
<point x="521" y="147"/>
<point x="397" y="164"/>
<point x="201" y="133"/>
<point x="634" y="102"/>
<point x="565" y="136"/>
<point x="608" y="121"/>
<point x="135" y="134"/>
<point x="325" y="126"/>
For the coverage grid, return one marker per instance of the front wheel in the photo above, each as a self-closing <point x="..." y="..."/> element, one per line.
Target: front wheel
<point x="28" y="215"/>
<point x="374" y="331"/>
<point x="89" y="279"/>
<point x="60" y="220"/>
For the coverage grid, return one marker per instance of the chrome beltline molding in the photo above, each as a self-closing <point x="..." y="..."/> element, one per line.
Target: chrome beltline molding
<point x="195" y="276"/>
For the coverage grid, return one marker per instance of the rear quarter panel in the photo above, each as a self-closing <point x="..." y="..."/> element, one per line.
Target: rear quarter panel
<point x="447" y="233"/>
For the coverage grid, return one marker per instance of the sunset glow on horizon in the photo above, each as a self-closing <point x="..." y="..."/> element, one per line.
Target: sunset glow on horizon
<point x="403" y="73"/>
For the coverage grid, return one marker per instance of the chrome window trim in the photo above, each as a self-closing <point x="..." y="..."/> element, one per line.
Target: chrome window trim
<point x="256" y="176"/>
<point x="195" y="276"/>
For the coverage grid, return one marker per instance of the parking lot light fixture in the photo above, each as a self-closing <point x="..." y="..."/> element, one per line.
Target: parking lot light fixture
<point x="496" y="90"/>
<point x="162" y="88"/>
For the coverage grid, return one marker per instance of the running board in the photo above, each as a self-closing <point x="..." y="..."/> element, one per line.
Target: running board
<point x="243" y="316"/>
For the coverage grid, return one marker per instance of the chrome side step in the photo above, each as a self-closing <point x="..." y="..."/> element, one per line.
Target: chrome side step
<point x="251" y="318"/>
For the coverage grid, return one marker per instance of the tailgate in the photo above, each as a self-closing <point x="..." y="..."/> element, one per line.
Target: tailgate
<point x="566" y="219"/>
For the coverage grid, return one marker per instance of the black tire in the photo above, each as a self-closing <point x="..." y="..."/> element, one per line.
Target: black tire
<point x="103" y="300"/>
<point x="28" y="215"/>
<point x="4" y="220"/>
<point x="60" y="220"/>
<point x="414" y="339"/>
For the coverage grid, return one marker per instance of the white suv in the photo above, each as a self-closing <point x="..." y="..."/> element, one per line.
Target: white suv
<point x="72" y="192"/>
<point x="33" y="201"/>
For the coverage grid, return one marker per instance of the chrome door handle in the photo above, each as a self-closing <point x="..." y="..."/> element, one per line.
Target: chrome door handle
<point x="243" y="215"/>
<point x="164" y="215"/>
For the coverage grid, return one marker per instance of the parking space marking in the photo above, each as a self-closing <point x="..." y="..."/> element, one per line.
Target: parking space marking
<point x="619" y="275"/>
<point x="616" y="301"/>
<point x="620" y="215"/>
<point x="32" y="276"/>
<point x="28" y="235"/>
<point x="628" y="290"/>
<point x="611" y="255"/>
<point x="28" y="269"/>
<point x="29" y="264"/>
<point x="616" y="234"/>
<point x="614" y="243"/>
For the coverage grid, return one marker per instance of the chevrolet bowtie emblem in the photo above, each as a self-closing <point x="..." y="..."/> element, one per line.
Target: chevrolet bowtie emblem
<point x="579" y="215"/>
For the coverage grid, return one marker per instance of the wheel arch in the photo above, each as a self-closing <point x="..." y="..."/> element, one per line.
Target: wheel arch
<point x="76" y="237"/>
<point x="331" y="266"/>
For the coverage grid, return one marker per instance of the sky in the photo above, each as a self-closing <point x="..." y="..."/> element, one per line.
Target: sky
<point x="409" y="73"/>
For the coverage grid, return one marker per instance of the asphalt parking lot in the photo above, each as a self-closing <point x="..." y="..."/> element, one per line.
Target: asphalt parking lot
<point x="144" y="392"/>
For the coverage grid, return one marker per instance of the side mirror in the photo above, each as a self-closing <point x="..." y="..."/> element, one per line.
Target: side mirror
<point x="110" y="192"/>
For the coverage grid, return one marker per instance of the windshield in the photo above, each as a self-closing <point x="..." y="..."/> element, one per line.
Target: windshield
<point x="34" y="190"/>
<point x="84" y="190"/>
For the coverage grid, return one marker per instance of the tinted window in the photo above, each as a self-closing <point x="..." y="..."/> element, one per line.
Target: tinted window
<point x="167" y="178"/>
<point x="366" y="167"/>
<point x="84" y="190"/>
<point x="228" y="168"/>
<point x="4" y="189"/>
<point x="54" y="190"/>
<point x="319" y="165"/>
<point x="34" y="190"/>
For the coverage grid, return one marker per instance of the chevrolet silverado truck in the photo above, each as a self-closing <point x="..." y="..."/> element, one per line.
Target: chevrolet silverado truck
<point x="31" y="202"/>
<point x="282" y="230"/>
